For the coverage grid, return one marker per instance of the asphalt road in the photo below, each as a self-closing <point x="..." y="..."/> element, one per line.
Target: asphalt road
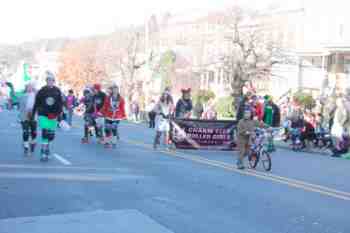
<point x="87" y="188"/>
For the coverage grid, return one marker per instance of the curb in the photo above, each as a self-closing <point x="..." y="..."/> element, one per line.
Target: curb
<point x="308" y="151"/>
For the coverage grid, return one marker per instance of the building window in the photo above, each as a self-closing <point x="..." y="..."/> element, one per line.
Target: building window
<point x="226" y="78"/>
<point x="205" y="80"/>
<point x="211" y="77"/>
<point x="346" y="59"/>
<point x="219" y="76"/>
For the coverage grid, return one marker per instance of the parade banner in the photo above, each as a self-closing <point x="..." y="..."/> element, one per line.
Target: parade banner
<point x="203" y="134"/>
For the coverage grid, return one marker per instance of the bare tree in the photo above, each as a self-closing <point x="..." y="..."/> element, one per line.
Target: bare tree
<point x="252" y="51"/>
<point x="127" y="60"/>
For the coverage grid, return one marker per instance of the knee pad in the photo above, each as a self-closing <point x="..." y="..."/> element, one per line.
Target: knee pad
<point x="49" y="135"/>
<point x="114" y="131"/>
<point x="108" y="126"/>
<point x="88" y="120"/>
<point x="34" y="134"/>
<point x="25" y="134"/>
<point x="108" y="132"/>
<point x="44" y="136"/>
<point x="34" y="130"/>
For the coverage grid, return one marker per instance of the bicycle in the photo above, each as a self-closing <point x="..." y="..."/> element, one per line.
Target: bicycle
<point x="258" y="151"/>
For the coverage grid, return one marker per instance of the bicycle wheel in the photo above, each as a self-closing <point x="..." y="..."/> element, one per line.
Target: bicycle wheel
<point x="253" y="160"/>
<point x="266" y="160"/>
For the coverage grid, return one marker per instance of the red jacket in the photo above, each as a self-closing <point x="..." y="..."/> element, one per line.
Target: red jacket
<point x="114" y="114"/>
<point x="259" y="111"/>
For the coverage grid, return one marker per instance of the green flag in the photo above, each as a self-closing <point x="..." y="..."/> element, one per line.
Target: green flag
<point x="26" y="75"/>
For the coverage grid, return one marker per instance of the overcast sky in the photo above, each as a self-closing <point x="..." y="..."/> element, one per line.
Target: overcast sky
<point x="23" y="20"/>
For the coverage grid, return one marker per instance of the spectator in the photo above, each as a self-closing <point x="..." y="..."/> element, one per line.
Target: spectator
<point x="308" y="133"/>
<point x="210" y="113"/>
<point x="257" y="108"/>
<point x="198" y="109"/>
<point x="276" y="116"/>
<point x="268" y="111"/>
<point x="340" y="117"/>
<point x="184" y="105"/>
<point x="272" y="114"/>
<point x="243" y="105"/>
<point x="152" y="114"/>
<point x="135" y="110"/>
<point x="70" y="104"/>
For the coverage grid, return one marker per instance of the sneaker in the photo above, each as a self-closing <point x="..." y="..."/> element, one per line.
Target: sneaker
<point x="84" y="140"/>
<point x="101" y="141"/>
<point x="47" y="152"/>
<point x="44" y="158"/>
<point x="26" y="151"/>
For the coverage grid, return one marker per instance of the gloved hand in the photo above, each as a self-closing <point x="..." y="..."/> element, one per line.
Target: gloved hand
<point x="97" y="115"/>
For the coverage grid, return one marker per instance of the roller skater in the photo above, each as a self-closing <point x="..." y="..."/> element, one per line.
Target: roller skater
<point x="114" y="111"/>
<point x="49" y="105"/>
<point x="28" y="122"/>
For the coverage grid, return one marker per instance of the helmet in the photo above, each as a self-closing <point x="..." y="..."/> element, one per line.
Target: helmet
<point x="97" y="87"/>
<point x="87" y="91"/>
<point x="114" y="86"/>
<point x="49" y="76"/>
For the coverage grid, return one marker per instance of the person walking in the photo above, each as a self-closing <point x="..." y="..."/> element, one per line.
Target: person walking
<point x="28" y="121"/>
<point x="245" y="130"/>
<point x="49" y="105"/>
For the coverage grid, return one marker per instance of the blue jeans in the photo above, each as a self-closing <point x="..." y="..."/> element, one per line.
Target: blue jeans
<point x="70" y="116"/>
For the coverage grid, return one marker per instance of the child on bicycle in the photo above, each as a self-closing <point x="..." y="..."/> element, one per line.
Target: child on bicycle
<point x="245" y="131"/>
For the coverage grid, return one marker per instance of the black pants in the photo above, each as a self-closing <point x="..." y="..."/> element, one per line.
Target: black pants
<point x="152" y="119"/>
<point x="29" y="130"/>
<point x="91" y="122"/>
<point x="111" y="128"/>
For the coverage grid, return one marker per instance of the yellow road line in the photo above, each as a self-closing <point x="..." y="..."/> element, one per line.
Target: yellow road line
<point x="266" y="176"/>
<point x="64" y="177"/>
<point x="23" y="166"/>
